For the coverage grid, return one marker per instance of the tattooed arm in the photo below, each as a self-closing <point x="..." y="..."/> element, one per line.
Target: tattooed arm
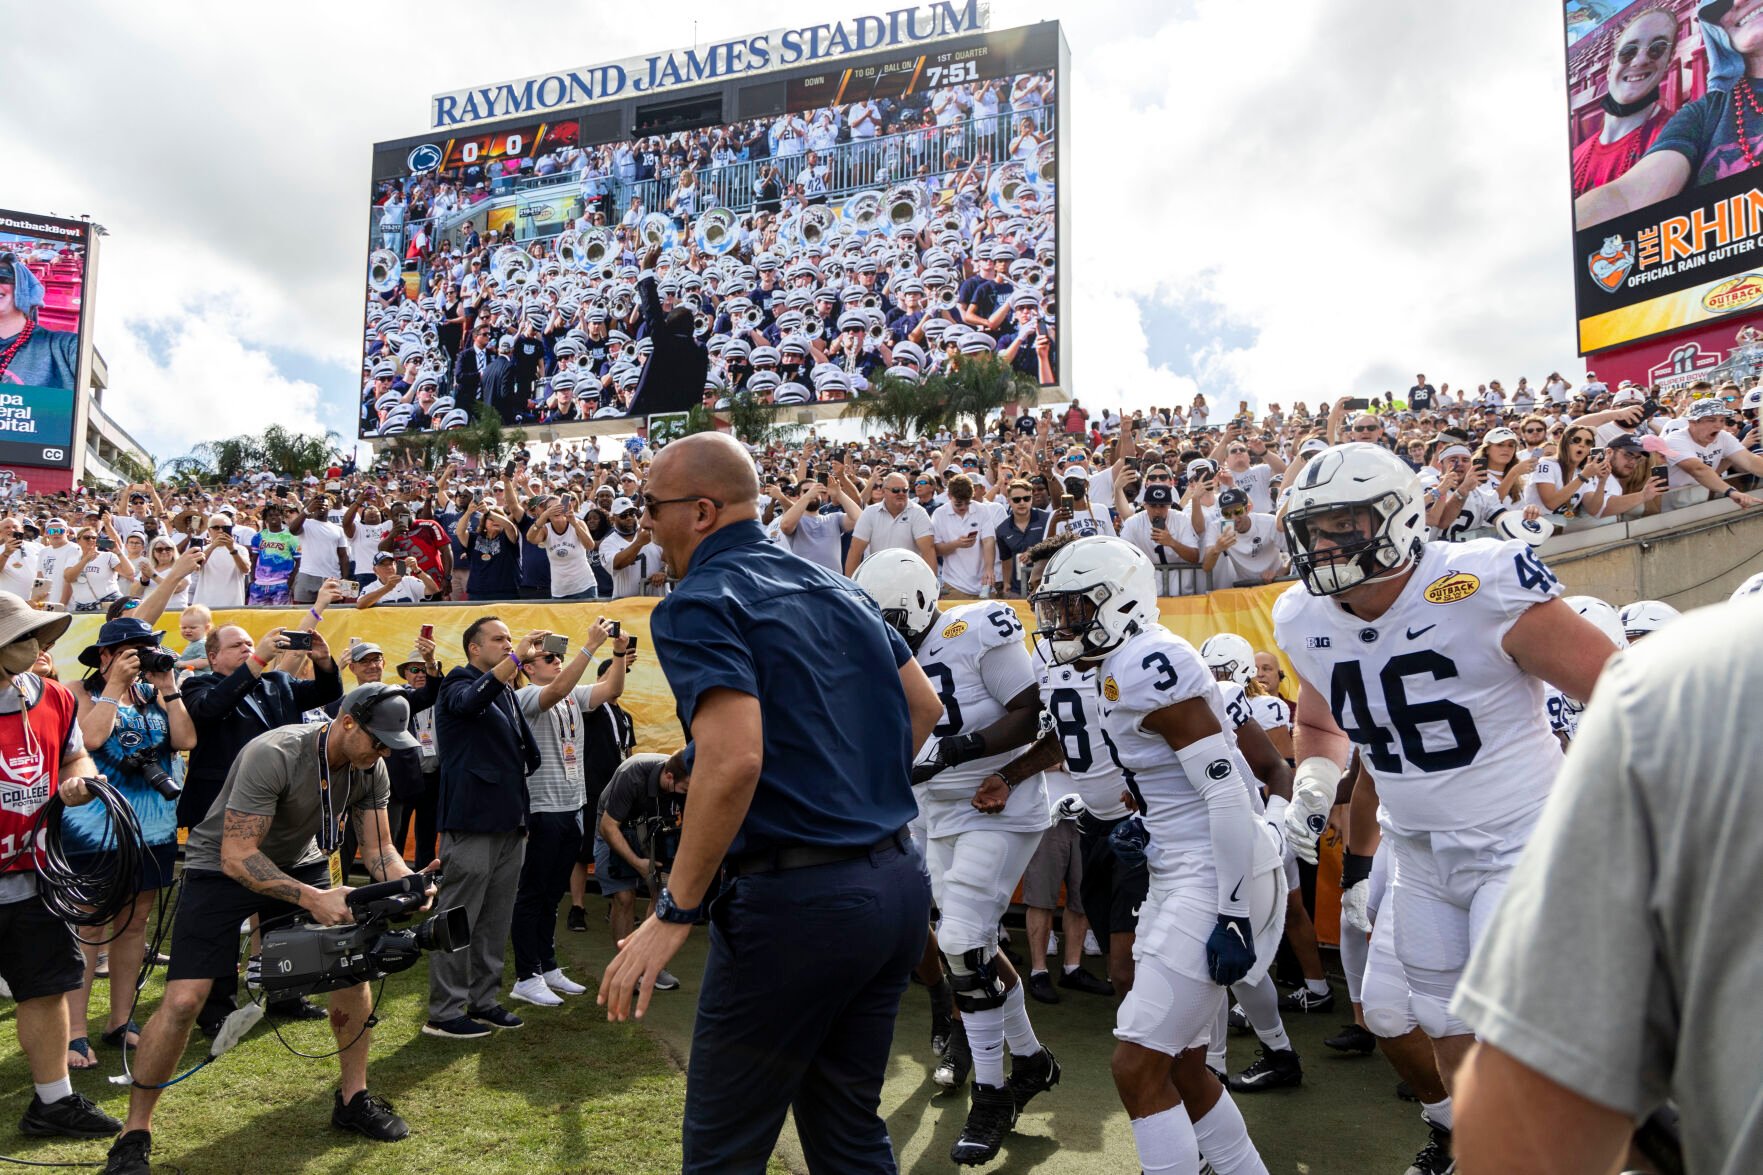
<point x="243" y="861"/>
<point x="382" y="859"/>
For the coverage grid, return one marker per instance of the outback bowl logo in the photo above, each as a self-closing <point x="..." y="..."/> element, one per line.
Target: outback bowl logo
<point x="1610" y="264"/>
<point x="424" y="158"/>
<point x="1737" y="293"/>
<point x="955" y="630"/>
<point x="1111" y="689"/>
<point x="1449" y="589"/>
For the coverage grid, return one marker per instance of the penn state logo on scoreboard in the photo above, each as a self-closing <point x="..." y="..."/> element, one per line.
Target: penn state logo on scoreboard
<point x="427" y="157"/>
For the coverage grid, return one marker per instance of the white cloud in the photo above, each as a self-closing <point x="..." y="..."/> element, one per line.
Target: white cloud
<point x="200" y="382"/>
<point x="1307" y="196"/>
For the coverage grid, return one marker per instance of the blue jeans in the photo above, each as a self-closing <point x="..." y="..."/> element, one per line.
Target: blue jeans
<point x="800" y="994"/>
<point x="589" y="594"/>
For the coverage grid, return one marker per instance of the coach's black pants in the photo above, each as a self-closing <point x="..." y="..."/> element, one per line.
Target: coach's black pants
<point x="804" y="979"/>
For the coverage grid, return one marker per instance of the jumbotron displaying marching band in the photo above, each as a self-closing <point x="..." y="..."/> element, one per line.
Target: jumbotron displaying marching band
<point x="875" y="228"/>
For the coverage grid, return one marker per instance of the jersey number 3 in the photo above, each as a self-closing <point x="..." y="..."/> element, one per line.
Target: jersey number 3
<point x="1352" y="713"/>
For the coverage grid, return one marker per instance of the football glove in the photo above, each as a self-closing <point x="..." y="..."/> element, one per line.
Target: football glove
<point x="949" y="752"/>
<point x="1313" y="792"/>
<point x="1069" y="807"/>
<point x="1230" y="951"/>
<point x="1129" y="840"/>
<point x="1356" y="891"/>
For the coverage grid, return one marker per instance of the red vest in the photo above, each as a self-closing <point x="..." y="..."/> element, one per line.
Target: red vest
<point x="30" y="770"/>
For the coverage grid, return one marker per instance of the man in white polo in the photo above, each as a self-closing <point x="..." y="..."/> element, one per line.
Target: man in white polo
<point x="895" y="521"/>
<point x="1701" y="451"/>
<point x="965" y="535"/>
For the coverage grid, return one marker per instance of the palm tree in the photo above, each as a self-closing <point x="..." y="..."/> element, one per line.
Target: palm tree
<point x="188" y="470"/>
<point x="979" y="385"/>
<point x="230" y="456"/>
<point x="902" y="405"/>
<point x="754" y="421"/>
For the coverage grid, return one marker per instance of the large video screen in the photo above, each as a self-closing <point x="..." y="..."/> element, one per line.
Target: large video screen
<point x="42" y="288"/>
<point x="1666" y="129"/>
<point x="896" y="216"/>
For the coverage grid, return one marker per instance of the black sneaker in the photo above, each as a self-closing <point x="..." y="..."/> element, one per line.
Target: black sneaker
<point x="1305" y="1000"/>
<point x="1353" y="1038"/>
<point x="1238" y="1019"/>
<point x="1406" y="1093"/>
<point x="128" y="1154"/>
<point x="367" y="1114"/>
<point x="458" y="1028"/>
<point x="578" y="919"/>
<point x="296" y="1009"/>
<point x="1040" y="986"/>
<point x="951" y="1072"/>
<point x="989" y="1119"/>
<point x="1277" y="1069"/>
<point x="1032" y="1075"/>
<point x="74" y="1116"/>
<point x="1081" y="980"/>
<point x="496" y="1016"/>
<point x="1435" y="1157"/>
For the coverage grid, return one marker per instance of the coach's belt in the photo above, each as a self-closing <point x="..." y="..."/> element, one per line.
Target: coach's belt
<point x="807" y="856"/>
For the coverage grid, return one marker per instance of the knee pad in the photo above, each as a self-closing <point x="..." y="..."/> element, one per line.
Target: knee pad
<point x="1388" y="1021"/>
<point x="975" y="979"/>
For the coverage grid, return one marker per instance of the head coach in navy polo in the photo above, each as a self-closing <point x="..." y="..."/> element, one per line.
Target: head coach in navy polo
<point x="824" y="901"/>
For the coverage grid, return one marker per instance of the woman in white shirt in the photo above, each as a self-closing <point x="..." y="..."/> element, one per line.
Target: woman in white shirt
<point x="1569" y="484"/>
<point x="161" y="554"/>
<point x="567" y="542"/>
<point x="91" y="578"/>
<point x="132" y="573"/>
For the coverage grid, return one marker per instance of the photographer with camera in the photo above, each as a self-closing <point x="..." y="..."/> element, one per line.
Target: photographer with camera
<point x="636" y="834"/>
<point x="269" y="847"/>
<point x="132" y="720"/>
<point x="556" y="706"/>
<point x="42" y="756"/>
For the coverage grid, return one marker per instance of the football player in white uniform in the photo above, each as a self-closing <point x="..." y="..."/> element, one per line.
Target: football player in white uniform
<point x="1213" y="914"/>
<point x="1645" y="617"/>
<point x="1231" y="660"/>
<point x="981" y="827"/>
<point x="1564" y="711"/>
<point x="1431" y="657"/>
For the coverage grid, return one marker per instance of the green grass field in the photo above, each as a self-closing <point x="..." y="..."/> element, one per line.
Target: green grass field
<point x="571" y="1093"/>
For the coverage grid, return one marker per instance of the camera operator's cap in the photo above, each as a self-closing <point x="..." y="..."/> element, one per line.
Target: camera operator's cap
<point x="1710" y="407"/>
<point x="19" y="620"/>
<point x="117" y="632"/>
<point x="1159" y="495"/>
<point x="388" y="720"/>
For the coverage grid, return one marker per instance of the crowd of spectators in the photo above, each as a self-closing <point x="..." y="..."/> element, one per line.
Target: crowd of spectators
<point x="1201" y="498"/>
<point x="948" y="249"/>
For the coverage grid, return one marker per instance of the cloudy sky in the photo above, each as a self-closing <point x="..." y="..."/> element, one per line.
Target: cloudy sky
<point x="1289" y="200"/>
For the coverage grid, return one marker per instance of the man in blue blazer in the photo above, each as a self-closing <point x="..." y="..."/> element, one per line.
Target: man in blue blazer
<point x="487" y="751"/>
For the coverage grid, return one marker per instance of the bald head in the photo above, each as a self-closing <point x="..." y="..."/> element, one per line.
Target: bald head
<point x="710" y="464"/>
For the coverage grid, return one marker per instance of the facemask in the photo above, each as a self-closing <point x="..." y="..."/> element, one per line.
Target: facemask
<point x="20" y="655"/>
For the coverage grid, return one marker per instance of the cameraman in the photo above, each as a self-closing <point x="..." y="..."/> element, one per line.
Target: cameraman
<point x="262" y="850"/>
<point x="39" y="960"/>
<point x="636" y="834"/>
<point x="132" y="719"/>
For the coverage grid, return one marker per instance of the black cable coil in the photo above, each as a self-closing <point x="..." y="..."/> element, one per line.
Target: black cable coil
<point x="93" y="898"/>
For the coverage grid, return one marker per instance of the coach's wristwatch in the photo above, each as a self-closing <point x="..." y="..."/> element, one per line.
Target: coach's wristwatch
<point x="668" y="912"/>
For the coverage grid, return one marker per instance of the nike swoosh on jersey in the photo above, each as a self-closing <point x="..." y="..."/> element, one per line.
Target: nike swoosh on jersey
<point x="1137" y="908"/>
<point x="1416" y="633"/>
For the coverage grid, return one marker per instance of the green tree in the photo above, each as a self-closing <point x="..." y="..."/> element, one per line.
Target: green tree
<point x="230" y="456"/>
<point x="755" y="422"/>
<point x="980" y="385"/>
<point x="132" y="468"/>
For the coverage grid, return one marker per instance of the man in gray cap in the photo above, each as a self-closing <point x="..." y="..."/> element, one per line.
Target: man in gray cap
<point x="271" y="846"/>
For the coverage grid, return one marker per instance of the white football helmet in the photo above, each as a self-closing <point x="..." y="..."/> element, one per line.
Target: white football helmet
<point x="1230" y="658"/>
<point x="1646" y="616"/>
<point x="1095" y="594"/>
<point x="1751" y="587"/>
<point x="904" y="588"/>
<point x="1603" y="617"/>
<point x="1341" y="481"/>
